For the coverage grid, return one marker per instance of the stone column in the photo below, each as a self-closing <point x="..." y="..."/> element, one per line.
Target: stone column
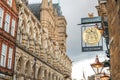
<point x="47" y="76"/>
<point x="20" y="76"/>
<point x="51" y="77"/>
<point x="54" y="77"/>
<point x="15" y="66"/>
<point x="42" y="76"/>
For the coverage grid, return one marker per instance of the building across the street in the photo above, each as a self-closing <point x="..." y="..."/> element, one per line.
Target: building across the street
<point x="8" y="28"/>
<point x="114" y="34"/>
<point x="41" y="43"/>
<point x="109" y="10"/>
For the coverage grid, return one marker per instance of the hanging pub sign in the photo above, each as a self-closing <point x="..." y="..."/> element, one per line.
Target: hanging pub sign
<point x="91" y="35"/>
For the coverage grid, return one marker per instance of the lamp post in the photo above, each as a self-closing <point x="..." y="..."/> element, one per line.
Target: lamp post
<point x="104" y="77"/>
<point x="97" y="68"/>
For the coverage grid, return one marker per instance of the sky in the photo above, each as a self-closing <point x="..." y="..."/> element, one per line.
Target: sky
<point x="74" y="10"/>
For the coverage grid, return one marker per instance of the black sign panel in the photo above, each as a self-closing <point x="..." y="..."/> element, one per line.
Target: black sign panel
<point x="95" y="48"/>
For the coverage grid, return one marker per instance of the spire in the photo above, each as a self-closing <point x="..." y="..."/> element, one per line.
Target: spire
<point x="50" y="4"/>
<point x="44" y="4"/>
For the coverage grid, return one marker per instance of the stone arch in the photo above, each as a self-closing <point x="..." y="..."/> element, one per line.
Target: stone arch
<point x="59" y="78"/>
<point x="53" y="76"/>
<point x="56" y="77"/>
<point x="33" y="70"/>
<point x="39" y="73"/>
<point x="45" y="75"/>
<point x="28" y="68"/>
<point x="49" y="75"/>
<point x="19" y="66"/>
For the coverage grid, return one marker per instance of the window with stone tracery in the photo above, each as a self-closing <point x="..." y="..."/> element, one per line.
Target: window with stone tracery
<point x="27" y="68"/>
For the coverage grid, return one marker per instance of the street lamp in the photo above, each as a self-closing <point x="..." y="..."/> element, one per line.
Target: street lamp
<point x="104" y="77"/>
<point x="97" y="68"/>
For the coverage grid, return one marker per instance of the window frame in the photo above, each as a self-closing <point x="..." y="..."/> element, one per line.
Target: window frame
<point x="13" y="26"/>
<point x="1" y="16"/>
<point x="3" y="56"/>
<point x="7" y="22"/>
<point x="10" y="58"/>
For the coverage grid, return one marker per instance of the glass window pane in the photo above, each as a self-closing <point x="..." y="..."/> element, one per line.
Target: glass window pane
<point x="13" y="27"/>
<point x="3" y="55"/>
<point x="10" y="58"/>
<point x="1" y="17"/>
<point x="7" y="23"/>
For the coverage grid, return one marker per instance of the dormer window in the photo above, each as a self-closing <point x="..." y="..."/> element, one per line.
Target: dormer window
<point x="9" y="2"/>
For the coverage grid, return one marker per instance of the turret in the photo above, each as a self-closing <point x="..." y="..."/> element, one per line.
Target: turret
<point x="44" y="4"/>
<point x="44" y="13"/>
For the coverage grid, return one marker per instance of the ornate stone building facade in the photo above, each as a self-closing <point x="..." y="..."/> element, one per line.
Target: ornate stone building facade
<point x="8" y="28"/>
<point x="41" y="43"/>
<point x="111" y="12"/>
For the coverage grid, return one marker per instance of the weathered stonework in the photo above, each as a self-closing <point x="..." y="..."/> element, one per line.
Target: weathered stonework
<point x="41" y="45"/>
<point x="112" y="8"/>
<point x="114" y="28"/>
